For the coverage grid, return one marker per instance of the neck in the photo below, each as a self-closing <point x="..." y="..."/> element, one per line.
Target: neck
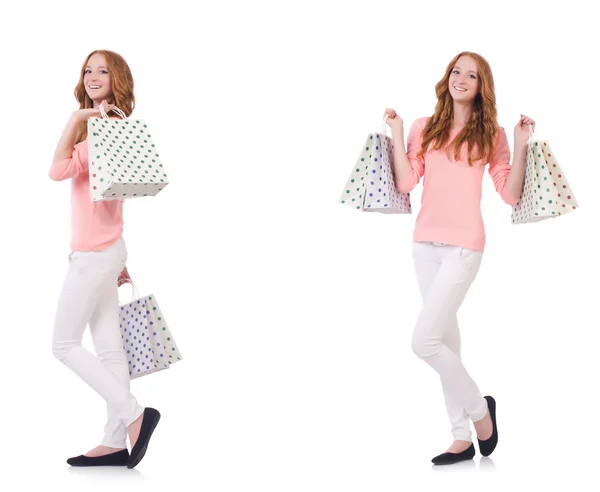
<point x="462" y="113"/>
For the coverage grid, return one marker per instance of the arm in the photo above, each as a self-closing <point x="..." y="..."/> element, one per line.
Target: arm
<point x="408" y="168"/>
<point x="508" y="180"/>
<point x="516" y="177"/>
<point x="69" y="160"/>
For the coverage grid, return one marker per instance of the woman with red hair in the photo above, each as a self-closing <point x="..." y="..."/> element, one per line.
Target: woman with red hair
<point x="450" y="151"/>
<point x="96" y="270"/>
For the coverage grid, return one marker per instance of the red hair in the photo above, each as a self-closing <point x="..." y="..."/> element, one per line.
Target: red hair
<point x="121" y="83"/>
<point x="480" y="131"/>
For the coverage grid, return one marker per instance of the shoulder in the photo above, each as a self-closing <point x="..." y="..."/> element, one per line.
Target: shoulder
<point x="501" y="138"/>
<point x="419" y="124"/>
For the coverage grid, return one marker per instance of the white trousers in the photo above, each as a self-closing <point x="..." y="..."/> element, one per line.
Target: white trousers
<point x="445" y="274"/>
<point x="90" y="296"/>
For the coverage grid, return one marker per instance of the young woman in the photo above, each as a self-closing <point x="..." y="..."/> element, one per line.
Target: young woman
<point x="449" y="151"/>
<point x="96" y="270"/>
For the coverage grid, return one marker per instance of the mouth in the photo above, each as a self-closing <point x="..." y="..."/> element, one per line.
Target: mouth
<point x="94" y="87"/>
<point x="459" y="89"/>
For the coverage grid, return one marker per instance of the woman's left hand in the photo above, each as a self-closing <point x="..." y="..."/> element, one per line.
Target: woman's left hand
<point x="522" y="129"/>
<point x="123" y="277"/>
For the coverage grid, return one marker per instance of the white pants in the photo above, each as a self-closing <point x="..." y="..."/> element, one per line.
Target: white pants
<point x="90" y="295"/>
<point x="445" y="274"/>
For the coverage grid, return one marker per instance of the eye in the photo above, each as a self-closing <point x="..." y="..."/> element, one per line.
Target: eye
<point x="103" y="71"/>
<point x="87" y="70"/>
<point x="455" y="71"/>
<point x="473" y="76"/>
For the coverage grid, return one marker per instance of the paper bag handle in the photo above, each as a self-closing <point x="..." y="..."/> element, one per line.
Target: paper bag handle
<point x="134" y="291"/>
<point x="115" y="109"/>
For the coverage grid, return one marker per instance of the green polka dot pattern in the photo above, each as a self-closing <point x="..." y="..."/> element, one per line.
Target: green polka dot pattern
<point x="123" y="159"/>
<point x="546" y="192"/>
<point x="371" y="186"/>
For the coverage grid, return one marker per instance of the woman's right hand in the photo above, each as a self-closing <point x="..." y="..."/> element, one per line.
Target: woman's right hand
<point x="393" y="121"/>
<point x="82" y="115"/>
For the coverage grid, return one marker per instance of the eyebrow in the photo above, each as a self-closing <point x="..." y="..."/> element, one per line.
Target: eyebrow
<point x="101" y="66"/>
<point x="473" y="71"/>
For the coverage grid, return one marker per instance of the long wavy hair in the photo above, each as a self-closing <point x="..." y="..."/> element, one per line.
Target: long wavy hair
<point x="480" y="131"/>
<point x="121" y="83"/>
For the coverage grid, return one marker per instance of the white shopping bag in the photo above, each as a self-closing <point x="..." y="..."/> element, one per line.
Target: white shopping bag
<point x="546" y="193"/>
<point x="123" y="160"/>
<point x="371" y="186"/>
<point x="147" y="340"/>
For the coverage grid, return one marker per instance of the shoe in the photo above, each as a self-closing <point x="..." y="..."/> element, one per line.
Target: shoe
<point x="119" y="458"/>
<point x="486" y="447"/>
<point x="451" y="458"/>
<point x="149" y="423"/>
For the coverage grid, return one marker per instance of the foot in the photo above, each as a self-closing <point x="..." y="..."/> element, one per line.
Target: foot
<point x="102" y="451"/>
<point x="484" y="427"/>
<point x="489" y="440"/>
<point x="459" y="446"/>
<point x="134" y="430"/>
<point x="118" y="458"/>
<point x="140" y="433"/>
<point x="449" y="458"/>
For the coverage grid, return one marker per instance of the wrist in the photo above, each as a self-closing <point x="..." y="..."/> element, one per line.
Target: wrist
<point x="398" y="131"/>
<point x="76" y="117"/>
<point x="520" y="143"/>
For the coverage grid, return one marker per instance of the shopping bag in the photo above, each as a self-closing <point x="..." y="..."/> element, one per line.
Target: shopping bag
<point x="123" y="160"/>
<point x="546" y="192"/>
<point x="147" y="340"/>
<point x="371" y="186"/>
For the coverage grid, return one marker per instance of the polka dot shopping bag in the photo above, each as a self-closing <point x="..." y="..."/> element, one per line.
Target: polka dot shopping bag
<point x="147" y="340"/>
<point x="123" y="159"/>
<point x="371" y="186"/>
<point x="546" y="192"/>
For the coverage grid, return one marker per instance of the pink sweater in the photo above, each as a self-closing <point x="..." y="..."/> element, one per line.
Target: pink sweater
<point x="451" y="200"/>
<point x="95" y="225"/>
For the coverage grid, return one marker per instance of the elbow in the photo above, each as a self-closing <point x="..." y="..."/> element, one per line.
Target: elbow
<point x="55" y="175"/>
<point x="510" y="199"/>
<point x="407" y="185"/>
<point x="404" y="187"/>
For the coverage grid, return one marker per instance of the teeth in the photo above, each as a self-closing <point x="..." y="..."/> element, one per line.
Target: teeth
<point x="94" y="87"/>
<point x="459" y="89"/>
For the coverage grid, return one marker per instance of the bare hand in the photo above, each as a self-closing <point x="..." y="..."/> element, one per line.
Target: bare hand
<point x="522" y="129"/>
<point x="82" y="115"/>
<point x="124" y="278"/>
<point x="393" y="120"/>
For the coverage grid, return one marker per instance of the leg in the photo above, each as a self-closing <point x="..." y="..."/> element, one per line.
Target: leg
<point x="427" y="264"/>
<point x="104" y="327"/>
<point x="461" y="428"/>
<point x="446" y="293"/>
<point x="89" y="276"/>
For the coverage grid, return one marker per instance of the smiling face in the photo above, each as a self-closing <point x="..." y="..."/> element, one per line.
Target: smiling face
<point x="463" y="83"/>
<point x="97" y="79"/>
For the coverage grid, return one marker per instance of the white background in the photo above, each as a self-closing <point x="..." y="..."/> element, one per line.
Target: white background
<point x="294" y="313"/>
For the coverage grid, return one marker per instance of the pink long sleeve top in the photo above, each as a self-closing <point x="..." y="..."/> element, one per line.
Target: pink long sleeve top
<point x="451" y="200"/>
<point x="95" y="226"/>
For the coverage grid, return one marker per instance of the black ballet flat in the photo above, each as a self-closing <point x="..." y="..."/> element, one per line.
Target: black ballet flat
<point x="149" y="423"/>
<point x="451" y="458"/>
<point x="486" y="447"/>
<point x="119" y="458"/>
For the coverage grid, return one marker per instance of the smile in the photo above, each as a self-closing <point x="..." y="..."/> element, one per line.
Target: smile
<point x="459" y="89"/>
<point x="95" y="86"/>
